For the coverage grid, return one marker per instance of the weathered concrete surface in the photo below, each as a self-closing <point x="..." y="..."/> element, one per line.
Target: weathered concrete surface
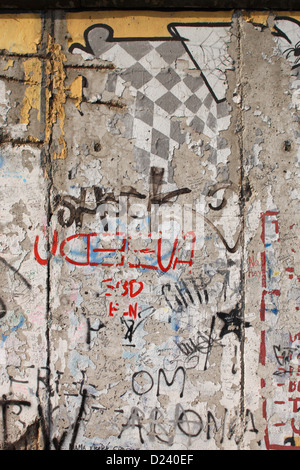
<point x="149" y="247"/>
<point x="30" y="5"/>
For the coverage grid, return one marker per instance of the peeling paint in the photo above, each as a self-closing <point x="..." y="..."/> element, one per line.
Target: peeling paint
<point x="257" y="17"/>
<point x="76" y="91"/>
<point x="149" y="167"/>
<point x="9" y="63"/>
<point x="20" y="33"/>
<point x="55" y="95"/>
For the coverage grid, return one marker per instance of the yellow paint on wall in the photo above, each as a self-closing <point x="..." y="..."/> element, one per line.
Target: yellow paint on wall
<point x="153" y="24"/>
<point x="290" y="14"/>
<point x="20" y="33"/>
<point x="256" y="17"/>
<point x="261" y="17"/>
<point x="57" y="93"/>
<point x="9" y="63"/>
<point x="75" y="91"/>
<point x="56" y="98"/>
<point x="138" y="24"/>
<point x="32" y="97"/>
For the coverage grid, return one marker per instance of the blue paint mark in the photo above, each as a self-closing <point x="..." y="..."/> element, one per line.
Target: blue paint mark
<point x="155" y="261"/>
<point x="273" y="310"/>
<point x="269" y="273"/>
<point x="128" y="355"/>
<point x="269" y="268"/>
<point x="15" y="328"/>
<point x="175" y="324"/>
<point x="21" y="323"/>
<point x="149" y="258"/>
<point x="4" y="338"/>
<point x="80" y="254"/>
<point x="1" y="162"/>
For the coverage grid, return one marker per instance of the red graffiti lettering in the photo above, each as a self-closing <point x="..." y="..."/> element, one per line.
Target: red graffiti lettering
<point x="296" y="337"/>
<point x="112" y="309"/>
<point x="295" y="404"/>
<point x="130" y="290"/>
<point x="40" y="260"/>
<point x="156" y="263"/>
<point x="113" y="250"/>
<point x="293" y="386"/>
<point x="190" y="261"/>
<point x="159" y="257"/>
<point x="295" y="430"/>
<point x="73" y="237"/>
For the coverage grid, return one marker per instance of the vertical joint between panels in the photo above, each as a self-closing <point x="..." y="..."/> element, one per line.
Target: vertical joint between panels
<point x="242" y="209"/>
<point x="48" y="21"/>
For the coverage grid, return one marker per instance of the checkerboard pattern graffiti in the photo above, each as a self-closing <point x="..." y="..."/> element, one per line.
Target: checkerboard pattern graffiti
<point x="182" y="76"/>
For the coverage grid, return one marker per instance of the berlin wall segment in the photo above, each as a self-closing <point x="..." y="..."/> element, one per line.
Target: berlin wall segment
<point x="149" y="247"/>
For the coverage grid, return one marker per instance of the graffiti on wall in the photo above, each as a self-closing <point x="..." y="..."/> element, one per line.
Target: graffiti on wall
<point x="162" y="91"/>
<point x="139" y="303"/>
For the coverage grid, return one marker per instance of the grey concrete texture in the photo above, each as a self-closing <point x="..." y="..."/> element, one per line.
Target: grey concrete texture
<point x="149" y="232"/>
<point x="46" y="5"/>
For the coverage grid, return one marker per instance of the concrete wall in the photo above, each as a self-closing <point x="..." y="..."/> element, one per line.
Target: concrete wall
<point x="149" y="248"/>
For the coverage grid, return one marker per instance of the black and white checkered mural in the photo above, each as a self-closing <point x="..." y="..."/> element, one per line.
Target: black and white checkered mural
<point x="182" y="76"/>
